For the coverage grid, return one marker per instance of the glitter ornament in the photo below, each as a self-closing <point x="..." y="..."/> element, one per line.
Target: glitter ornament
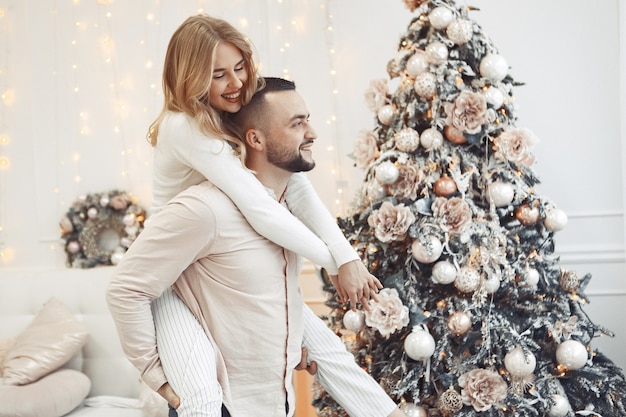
<point x="454" y="135"/>
<point x="440" y="17"/>
<point x="443" y="272"/>
<point x="354" y="320"/>
<point x="569" y="281"/>
<point x="444" y="186"/>
<point x="419" y="345"/>
<point x="467" y="280"/>
<point x="491" y="284"/>
<point x="561" y="406"/>
<point x="494" y="67"/>
<point x="459" y="323"/>
<point x="531" y="278"/>
<point x="417" y="64"/>
<point x="427" y="252"/>
<point x="520" y="363"/>
<point x="437" y="53"/>
<point x="555" y="220"/>
<point x="407" y="140"/>
<point x="386" y="114"/>
<point x="500" y="193"/>
<point x="387" y="173"/>
<point x="425" y="85"/>
<point x="449" y="402"/>
<point x="412" y="410"/>
<point x="494" y="97"/>
<point x="527" y="215"/>
<point x="431" y="139"/>
<point x="572" y="354"/>
<point x="460" y="31"/>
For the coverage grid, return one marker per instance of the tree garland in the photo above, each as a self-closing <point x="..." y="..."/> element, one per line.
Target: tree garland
<point x="98" y="228"/>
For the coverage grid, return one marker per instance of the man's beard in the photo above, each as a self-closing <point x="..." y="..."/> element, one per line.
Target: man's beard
<point x="289" y="161"/>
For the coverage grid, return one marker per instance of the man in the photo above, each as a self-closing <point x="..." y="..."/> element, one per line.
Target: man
<point x="242" y="288"/>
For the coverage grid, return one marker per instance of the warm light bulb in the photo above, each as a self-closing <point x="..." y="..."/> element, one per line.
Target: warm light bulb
<point x="4" y="162"/>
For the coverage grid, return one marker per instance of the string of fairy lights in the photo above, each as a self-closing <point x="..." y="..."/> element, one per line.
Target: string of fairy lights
<point x="81" y="28"/>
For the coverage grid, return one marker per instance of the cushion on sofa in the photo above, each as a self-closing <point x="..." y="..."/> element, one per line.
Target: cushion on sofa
<point x="49" y="341"/>
<point x="54" y="395"/>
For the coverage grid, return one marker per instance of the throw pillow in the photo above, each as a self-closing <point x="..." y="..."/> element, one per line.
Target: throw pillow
<point x="54" y="395"/>
<point x="49" y="341"/>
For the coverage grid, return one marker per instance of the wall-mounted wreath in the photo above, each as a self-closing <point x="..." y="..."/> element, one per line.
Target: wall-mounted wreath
<point x="99" y="228"/>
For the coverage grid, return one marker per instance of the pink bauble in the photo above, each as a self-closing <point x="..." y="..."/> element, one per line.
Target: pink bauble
<point x="454" y="135"/>
<point x="431" y="139"/>
<point x="520" y="363"/>
<point x="419" y="345"/>
<point x="412" y="410"/>
<point x="427" y="253"/>
<point x="354" y="320"/>
<point x="459" y="323"/>
<point x="527" y="215"/>
<point x="444" y="186"/>
<point x="572" y="354"/>
<point x="417" y="64"/>
<point x="500" y="193"/>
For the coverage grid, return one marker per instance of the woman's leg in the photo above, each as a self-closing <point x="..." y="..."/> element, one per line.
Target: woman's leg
<point x="187" y="357"/>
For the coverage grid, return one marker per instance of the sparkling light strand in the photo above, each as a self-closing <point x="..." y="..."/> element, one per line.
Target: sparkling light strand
<point x="5" y="138"/>
<point x="337" y="170"/>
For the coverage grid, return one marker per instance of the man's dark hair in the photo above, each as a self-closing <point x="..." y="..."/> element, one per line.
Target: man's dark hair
<point x="252" y="115"/>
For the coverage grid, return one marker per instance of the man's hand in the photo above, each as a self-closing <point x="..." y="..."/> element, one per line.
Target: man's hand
<point x="170" y="396"/>
<point x="355" y="284"/>
<point x="310" y="367"/>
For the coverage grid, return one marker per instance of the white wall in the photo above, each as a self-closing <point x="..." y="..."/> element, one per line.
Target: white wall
<point x="81" y="83"/>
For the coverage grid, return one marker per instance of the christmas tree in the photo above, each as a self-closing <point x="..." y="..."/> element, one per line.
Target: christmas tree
<point x="477" y="317"/>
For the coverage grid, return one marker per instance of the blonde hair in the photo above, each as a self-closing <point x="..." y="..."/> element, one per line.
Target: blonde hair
<point x="188" y="70"/>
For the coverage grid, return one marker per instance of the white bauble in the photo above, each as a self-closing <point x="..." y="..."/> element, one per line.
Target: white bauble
<point x="354" y="320"/>
<point x="437" y="52"/>
<point x="386" y="114"/>
<point x="572" y="354"/>
<point x="387" y="173"/>
<point x="440" y="17"/>
<point x="374" y="191"/>
<point x="467" y="280"/>
<point x="561" y="406"/>
<point x="427" y="253"/>
<point x="519" y="363"/>
<point x="412" y="410"/>
<point x="494" y="97"/>
<point x="444" y="272"/>
<point x="417" y="64"/>
<point x="555" y="220"/>
<point x="531" y="278"/>
<point x="92" y="213"/>
<point x="73" y="247"/>
<point x="459" y="323"/>
<point x="419" y="345"/>
<point x="500" y="193"/>
<point x="494" y="67"/>
<point x="129" y="219"/>
<point x="116" y="257"/>
<point x="104" y="201"/>
<point x="491" y="284"/>
<point x="431" y="138"/>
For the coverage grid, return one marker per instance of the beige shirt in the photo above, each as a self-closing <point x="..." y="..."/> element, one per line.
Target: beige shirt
<point x="243" y="289"/>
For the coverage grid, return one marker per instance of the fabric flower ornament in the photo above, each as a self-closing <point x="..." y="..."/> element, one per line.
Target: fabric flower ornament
<point x="388" y="314"/>
<point x="468" y="112"/>
<point x="482" y="389"/>
<point x="409" y="180"/>
<point x="453" y="214"/>
<point x="391" y="222"/>
<point x="365" y="148"/>
<point x="413" y="4"/>
<point x="377" y="94"/>
<point x="516" y="145"/>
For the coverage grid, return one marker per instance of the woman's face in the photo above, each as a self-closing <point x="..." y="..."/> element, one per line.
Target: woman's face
<point x="228" y="78"/>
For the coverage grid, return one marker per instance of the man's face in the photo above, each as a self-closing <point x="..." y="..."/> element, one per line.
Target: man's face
<point x="289" y="133"/>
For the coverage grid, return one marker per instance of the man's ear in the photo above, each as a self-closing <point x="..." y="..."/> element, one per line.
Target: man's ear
<point x="253" y="139"/>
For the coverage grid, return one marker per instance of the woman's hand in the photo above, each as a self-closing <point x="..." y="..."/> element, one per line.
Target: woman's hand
<point x="170" y="396"/>
<point x="355" y="284"/>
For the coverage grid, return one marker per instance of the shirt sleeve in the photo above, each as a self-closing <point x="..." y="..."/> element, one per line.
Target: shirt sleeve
<point x="214" y="159"/>
<point x="171" y="241"/>
<point x="306" y="205"/>
<point x="339" y="374"/>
